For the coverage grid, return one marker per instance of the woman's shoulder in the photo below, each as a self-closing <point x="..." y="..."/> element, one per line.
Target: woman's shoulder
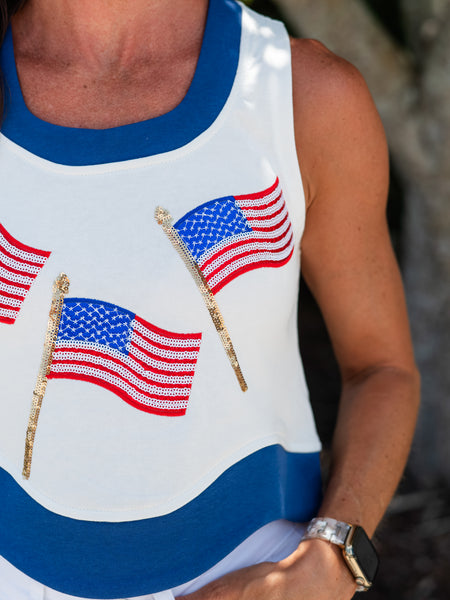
<point x="318" y="70"/>
<point x="335" y="115"/>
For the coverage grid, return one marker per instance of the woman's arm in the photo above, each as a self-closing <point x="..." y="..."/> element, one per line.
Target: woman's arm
<point x="348" y="263"/>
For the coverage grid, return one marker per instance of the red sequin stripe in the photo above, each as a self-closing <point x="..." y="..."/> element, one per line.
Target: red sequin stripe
<point x="250" y="267"/>
<point x="170" y="334"/>
<point x="168" y="412"/>
<point x="44" y="253"/>
<point x="262" y="194"/>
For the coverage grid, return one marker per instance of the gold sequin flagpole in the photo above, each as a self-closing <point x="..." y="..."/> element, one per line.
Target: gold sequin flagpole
<point x="60" y="289"/>
<point x="164" y="219"/>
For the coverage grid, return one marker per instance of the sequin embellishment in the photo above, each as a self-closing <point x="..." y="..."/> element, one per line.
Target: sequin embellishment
<point x="164" y="219"/>
<point x="226" y="237"/>
<point x="150" y="368"/>
<point x="230" y="236"/>
<point x="101" y="343"/>
<point x="19" y="267"/>
<point x="60" y="289"/>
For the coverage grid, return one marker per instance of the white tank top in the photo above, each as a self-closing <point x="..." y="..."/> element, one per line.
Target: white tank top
<point x="147" y="450"/>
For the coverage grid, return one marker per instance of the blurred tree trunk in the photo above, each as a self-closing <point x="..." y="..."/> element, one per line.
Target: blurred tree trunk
<point x="412" y="92"/>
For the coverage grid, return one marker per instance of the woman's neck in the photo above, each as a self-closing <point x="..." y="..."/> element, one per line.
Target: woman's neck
<point x="104" y="63"/>
<point x="108" y="34"/>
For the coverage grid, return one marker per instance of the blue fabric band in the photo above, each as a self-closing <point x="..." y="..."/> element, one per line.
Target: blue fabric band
<point x="116" y="560"/>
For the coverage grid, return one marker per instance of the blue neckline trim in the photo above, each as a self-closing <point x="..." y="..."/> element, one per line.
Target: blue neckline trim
<point x="132" y="558"/>
<point x="206" y="97"/>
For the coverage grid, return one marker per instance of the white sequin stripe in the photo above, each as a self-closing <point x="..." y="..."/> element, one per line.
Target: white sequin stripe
<point x="260" y="248"/>
<point x="19" y="265"/>
<point x="166" y="341"/>
<point x="277" y="220"/>
<point x="163" y="352"/>
<point x="10" y="314"/>
<point x="113" y="353"/>
<point x="165" y="366"/>
<point x="283" y="229"/>
<point x="12" y="289"/>
<point x="264" y="210"/>
<point x="15" y="278"/>
<point x="224" y="243"/>
<point x="263" y="200"/>
<point x="123" y="385"/>
<point x="123" y="370"/>
<point x="20" y="253"/>
<point x="244" y="261"/>
<point x="13" y="302"/>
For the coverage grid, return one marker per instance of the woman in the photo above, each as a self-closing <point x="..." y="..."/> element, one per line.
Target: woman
<point x="155" y="462"/>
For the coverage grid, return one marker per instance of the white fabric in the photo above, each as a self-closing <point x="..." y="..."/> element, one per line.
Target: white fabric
<point x="272" y="543"/>
<point x="98" y="222"/>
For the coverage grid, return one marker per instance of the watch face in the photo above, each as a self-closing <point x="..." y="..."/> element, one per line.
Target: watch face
<point x="364" y="552"/>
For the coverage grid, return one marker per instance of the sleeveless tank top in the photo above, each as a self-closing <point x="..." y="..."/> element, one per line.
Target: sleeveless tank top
<point x="171" y="418"/>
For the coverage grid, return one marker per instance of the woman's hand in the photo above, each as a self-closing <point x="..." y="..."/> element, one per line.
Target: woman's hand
<point x="315" y="571"/>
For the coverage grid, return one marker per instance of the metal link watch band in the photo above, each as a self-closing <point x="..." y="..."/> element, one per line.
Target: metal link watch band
<point x="328" y="529"/>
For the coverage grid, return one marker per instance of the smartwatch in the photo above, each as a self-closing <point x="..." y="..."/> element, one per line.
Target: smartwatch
<point x="359" y="554"/>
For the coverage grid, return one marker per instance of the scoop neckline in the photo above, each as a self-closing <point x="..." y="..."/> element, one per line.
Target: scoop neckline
<point x="205" y="99"/>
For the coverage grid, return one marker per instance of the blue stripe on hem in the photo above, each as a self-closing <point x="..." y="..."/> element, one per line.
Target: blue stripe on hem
<point x="116" y="560"/>
<point x="206" y="97"/>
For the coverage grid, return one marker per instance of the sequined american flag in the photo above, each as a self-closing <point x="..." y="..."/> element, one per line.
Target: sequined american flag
<point x="229" y="236"/>
<point x="148" y="367"/>
<point x="19" y="267"/>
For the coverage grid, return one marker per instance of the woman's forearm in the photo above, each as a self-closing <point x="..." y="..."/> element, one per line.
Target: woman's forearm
<point x="371" y="443"/>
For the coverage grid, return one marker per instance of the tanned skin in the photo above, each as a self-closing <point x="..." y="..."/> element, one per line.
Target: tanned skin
<point x="93" y="64"/>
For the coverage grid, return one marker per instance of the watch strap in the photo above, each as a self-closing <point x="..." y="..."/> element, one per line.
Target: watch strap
<point x="326" y="528"/>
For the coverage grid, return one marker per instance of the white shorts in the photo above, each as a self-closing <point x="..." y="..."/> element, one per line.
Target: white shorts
<point x="272" y="543"/>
